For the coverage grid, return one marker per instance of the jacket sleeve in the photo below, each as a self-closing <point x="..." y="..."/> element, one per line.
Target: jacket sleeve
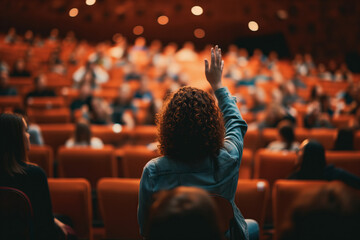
<point x="234" y="123"/>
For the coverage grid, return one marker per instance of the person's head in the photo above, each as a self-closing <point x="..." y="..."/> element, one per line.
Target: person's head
<point x="344" y="140"/>
<point x="40" y="82"/>
<point x="14" y="143"/>
<point x="311" y="156"/>
<point x="190" y="126"/>
<point x="183" y="213"/>
<point x="329" y="213"/>
<point x="286" y="132"/>
<point x="82" y="132"/>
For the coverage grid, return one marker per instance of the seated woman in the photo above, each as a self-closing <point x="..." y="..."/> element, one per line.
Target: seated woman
<point x="312" y="166"/>
<point x="201" y="143"/>
<point x="83" y="137"/>
<point x="287" y="138"/>
<point x="15" y="172"/>
<point x="184" y="213"/>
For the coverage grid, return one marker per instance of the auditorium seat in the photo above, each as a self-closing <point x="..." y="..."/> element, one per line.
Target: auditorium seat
<point x="252" y="198"/>
<point x="342" y="121"/>
<point x="132" y="159"/>
<point x="357" y="140"/>
<point x="45" y="102"/>
<point x="144" y="135"/>
<point x="72" y="198"/>
<point x="273" y="165"/>
<point x="284" y="194"/>
<point x="85" y="162"/>
<point x="252" y="139"/>
<point x="347" y="160"/>
<point x="325" y="136"/>
<point x="42" y="156"/>
<point x="247" y="164"/>
<point x="114" y="134"/>
<point x="118" y="201"/>
<point x="55" y="135"/>
<point x="9" y="103"/>
<point x="48" y="116"/>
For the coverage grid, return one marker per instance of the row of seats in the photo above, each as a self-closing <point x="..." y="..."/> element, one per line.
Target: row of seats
<point x="129" y="161"/>
<point x="55" y="135"/>
<point x="118" y="200"/>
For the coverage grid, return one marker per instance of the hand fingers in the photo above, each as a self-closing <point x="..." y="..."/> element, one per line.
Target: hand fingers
<point x="219" y="57"/>
<point x="222" y="65"/>
<point x="213" y="57"/>
<point x="206" y="66"/>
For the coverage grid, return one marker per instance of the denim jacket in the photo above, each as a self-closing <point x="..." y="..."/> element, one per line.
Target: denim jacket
<point x="164" y="173"/>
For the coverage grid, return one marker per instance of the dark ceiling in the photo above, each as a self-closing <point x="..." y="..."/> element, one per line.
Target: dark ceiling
<point x="326" y="28"/>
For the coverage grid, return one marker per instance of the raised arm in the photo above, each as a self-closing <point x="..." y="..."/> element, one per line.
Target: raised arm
<point x="234" y="124"/>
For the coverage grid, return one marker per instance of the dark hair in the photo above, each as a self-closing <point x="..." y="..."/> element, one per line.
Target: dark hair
<point x="344" y="140"/>
<point x="313" y="162"/>
<point x="183" y="213"/>
<point x="331" y="212"/>
<point x="286" y="131"/>
<point x="12" y="144"/>
<point x="190" y="126"/>
<point x="82" y="132"/>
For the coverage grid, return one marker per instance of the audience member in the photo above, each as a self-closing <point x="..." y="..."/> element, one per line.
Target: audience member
<point x="123" y="107"/>
<point x="312" y="166"/>
<point x="5" y="89"/>
<point x="191" y="137"/>
<point x="286" y="138"/>
<point x="81" y="106"/>
<point x="41" y="89"/>
<point x="19" y="69"/>
<point x="183" y="213"/>
<point x="15" y="172"/>
<point x="83" y="137"/>
<point x="344" y="140"/>
<point x="90" y="73"/>
<point x="329" y="213"/>
<point x="33" y="129"/>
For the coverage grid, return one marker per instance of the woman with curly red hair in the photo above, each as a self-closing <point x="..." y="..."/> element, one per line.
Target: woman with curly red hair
<point x="201" y="143"/>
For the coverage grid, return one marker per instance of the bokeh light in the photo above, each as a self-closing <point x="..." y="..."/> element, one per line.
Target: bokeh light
<point x="199" y="33"/>
<point x="253" y="26"/>
<point x="163" y="20"/>
<point x="138" y="30"/>
<point x="90" y="2"/>
<point x="117" y="128"/>
<point x="197" y="10"/>
<point x="73" y="12"/>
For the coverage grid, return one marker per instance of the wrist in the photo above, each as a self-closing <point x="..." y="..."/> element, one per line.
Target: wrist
<point x="216" y="86"/>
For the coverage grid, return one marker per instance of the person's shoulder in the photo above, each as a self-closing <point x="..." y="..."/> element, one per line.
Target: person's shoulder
<point x="34" y="171"/>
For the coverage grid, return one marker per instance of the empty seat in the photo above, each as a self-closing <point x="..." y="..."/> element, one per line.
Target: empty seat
<point x="133" y="159"/>
<point x="118" y="201"/>
<point x="55" y="135"/>
<point x="284" y="194"/>
<point x="72" y="198"/>
<point x="9" y="103"/>
<point x="325" y="136"/>
<point x="85" y="162"/>
<point x="42" y="156"/>
<point x="247" y="163"/>
<point x="114" y="134"/>
<point x="348" y="160"/>
<point x="45" y="102"/>
<point x="342" y="121"/>
<point x="271" y="165"/>
<point x="252" y="139"/>
<point x="144" y="134"/>
<point x="251" y="198"/>
<point x="41" y="116"/>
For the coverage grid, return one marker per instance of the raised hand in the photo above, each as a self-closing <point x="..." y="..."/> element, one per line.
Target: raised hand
<point x="213" y="72"/>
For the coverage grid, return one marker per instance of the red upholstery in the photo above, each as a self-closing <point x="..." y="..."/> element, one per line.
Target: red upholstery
<point x="284" y="194"/>
<point x="88" y="163"/>
<point x="246" y="167"/>
<point x="144" y="134"/>
<point x="42" y="156"/>
<point x="348" y="160"/>
<point x="10" y="103"/>
<point x="72" y="198"/>
<point x="251" y="198"/>
<point x="325" y="136"/>
<point x="118" y="201"/>
<point x="55" y="135"/>
<point x="61" y="115"/>
<point x="46" y="102"/>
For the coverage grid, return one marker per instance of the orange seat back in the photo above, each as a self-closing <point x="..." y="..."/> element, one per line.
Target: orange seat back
<point x="284" y="194"/>
<point x="325" y="136"/>
<point x="144" y="134"/>
<point x="252" y="197"/>
<point x="42" y="156"/>
<point x="347" y="160"/>
<point x="118" y="201"/>
<point x="45" y="102"/>
<point x="55" y="135"/>
<point x="42" y="116"/>
<point x="72" y="198"/>
<point x="91" y="164"/>
<point x="247" y="163"/>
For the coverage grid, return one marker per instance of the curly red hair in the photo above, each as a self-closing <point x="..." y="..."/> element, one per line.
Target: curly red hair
<point x="190" y="126"/>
